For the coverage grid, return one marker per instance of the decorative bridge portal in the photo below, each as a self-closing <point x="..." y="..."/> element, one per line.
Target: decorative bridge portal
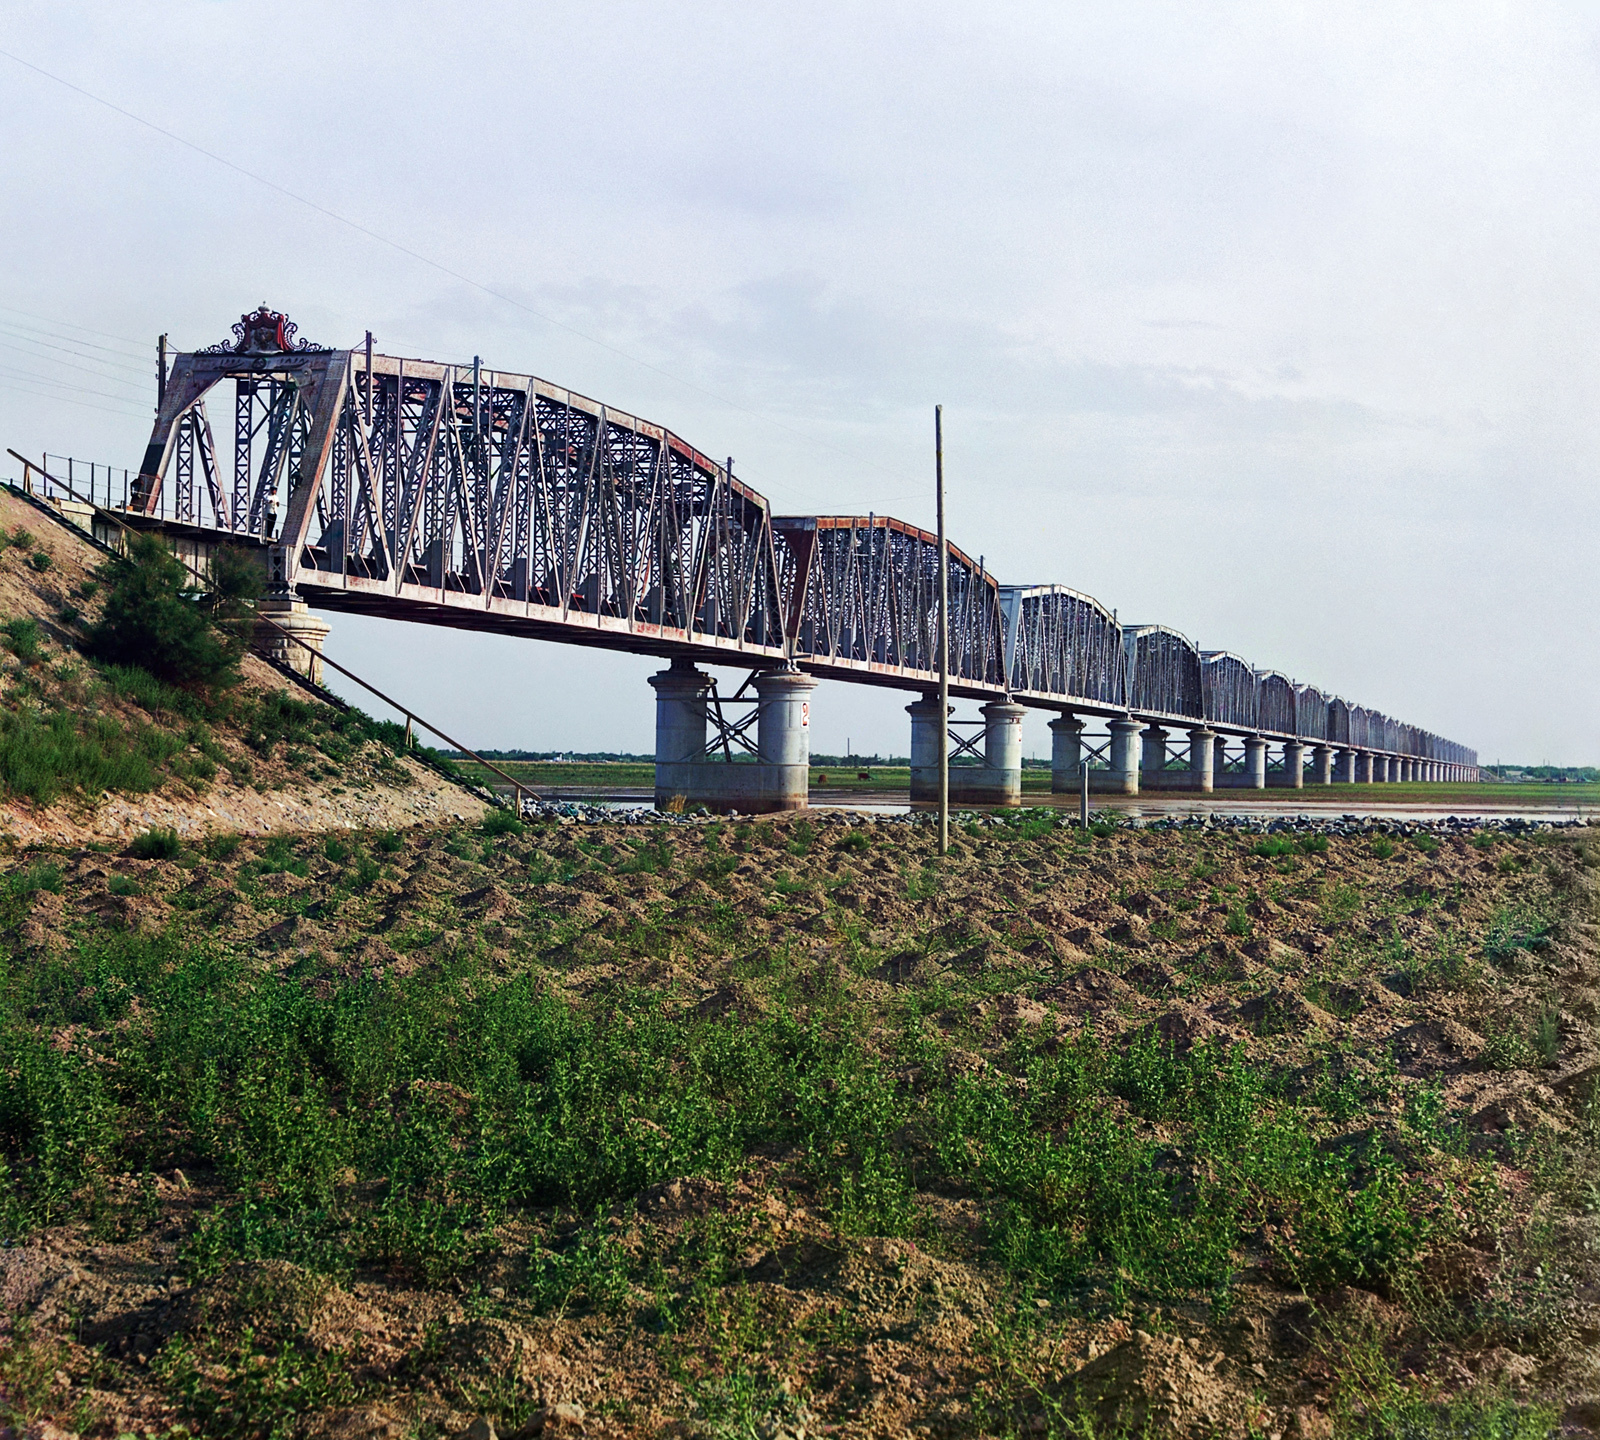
<point x="463" y="496"/>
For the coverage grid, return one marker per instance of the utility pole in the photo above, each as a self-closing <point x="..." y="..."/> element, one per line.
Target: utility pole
<point x="944" y="638"/>
<point x="161" y="372"/>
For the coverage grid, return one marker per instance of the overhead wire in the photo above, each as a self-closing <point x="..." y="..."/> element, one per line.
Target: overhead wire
<point x="428" y="260"/>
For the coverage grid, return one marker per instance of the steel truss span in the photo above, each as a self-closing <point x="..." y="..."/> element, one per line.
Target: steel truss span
<point x="480" y="499"/>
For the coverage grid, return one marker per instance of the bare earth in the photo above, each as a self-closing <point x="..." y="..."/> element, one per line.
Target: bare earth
<point x="750" y="1297"/>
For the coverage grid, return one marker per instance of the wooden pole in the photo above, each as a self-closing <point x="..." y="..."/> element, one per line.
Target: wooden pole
<point x="944" y="637"/>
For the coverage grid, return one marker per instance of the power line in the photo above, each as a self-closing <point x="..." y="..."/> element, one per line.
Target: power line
<point x="71" y="325"/>
<point x="429" y="261"/>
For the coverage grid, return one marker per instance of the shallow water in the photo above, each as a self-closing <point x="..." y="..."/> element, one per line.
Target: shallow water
<point x="1151" y="807"/>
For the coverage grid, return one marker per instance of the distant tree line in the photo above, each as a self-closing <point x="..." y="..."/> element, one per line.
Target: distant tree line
<point x="1553" y="774"/>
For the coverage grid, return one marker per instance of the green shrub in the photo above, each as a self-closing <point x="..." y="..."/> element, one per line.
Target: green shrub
<point x="222" y="847"/>
<point x="22" y="639"/>
<point x="390" y="842"/>
<point x="1313" y="844"/>
<point x="1382" y="847"/>
<point x="40" y="560"/>
<point x="1484" y="839"/>
<point x="1428" y="844"/>
<point x="499" y="821"/>
<point x="155" y="619"/>
<point x="122" y="885"/>
<point x="334" y="849"/>
<point x="278" y="858"/>
<point x="1272" y="847"/>
<point x="1238" y="921"/>
<point x="41" y="875"/>
<point x="156" y="844"/>
<point x="1514" y="928"/>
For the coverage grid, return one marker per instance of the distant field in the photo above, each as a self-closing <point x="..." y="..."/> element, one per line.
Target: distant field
<point x="632" y="776"/>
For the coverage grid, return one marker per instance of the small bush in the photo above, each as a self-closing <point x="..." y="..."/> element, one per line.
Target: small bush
<point x="122" y="885"/>
<point x="1272" y="847"/>
<point x="1238" y="922"/>
<point x="1425" y="843"/>
<point x="336" y="850"/>
<point x="22" y="639"/>
<point x="1381" y="847"/>
<point x="1484" y="840"/>
<point x="1313" y="844"/>
<point x="154" y="619"/>
<point x="278" y="858"/>
<point x="40" y="560"/>
<point x="43" y="875"/>
<point x="498" y="821"/>
<point x="156" y="844"/>
<point x="390" y="842"/>
<point x="222" y="847"/>
<point x="1547" y="1037"/>
<point x="1514" y="928"/>
<point x="855" y="841"/>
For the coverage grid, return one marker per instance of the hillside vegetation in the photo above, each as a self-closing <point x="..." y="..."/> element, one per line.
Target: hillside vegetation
<point x="118" y="685"/>
<point x="793" y="1128"/>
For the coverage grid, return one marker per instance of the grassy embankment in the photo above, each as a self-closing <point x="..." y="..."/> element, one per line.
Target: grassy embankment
<point x="767" y="1126"/>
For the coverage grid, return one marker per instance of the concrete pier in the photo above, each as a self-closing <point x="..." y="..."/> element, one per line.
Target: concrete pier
<point x="1153" y="758"/>
<point x="783" y="736"/>
<point x="1294" y="766"/>
<point x="1066" y="755"/>
<point x="998" y="781"/>
<point x="1202" y="759"/>
<point x="1322" y="764"/>
<point x="1344" y="768"/>
<point x="687" y="778"/>
<point x="294" y="615"/>
<point x="1364" y="768"/>
<point x="1122" y="777"/>
<point x="1255" y="762"/>
<point x="925" y="722"/>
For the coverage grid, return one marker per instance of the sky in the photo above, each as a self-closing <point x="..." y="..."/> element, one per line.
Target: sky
<point x="1272" y="323"/>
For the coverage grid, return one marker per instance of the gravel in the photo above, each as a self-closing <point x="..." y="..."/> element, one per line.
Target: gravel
<point x="576" y="812"/>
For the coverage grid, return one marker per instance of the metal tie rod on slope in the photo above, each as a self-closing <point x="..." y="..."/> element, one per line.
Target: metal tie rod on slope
<point x="516" y="785"/>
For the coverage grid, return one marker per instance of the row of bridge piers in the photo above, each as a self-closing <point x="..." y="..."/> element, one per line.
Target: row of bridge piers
<point x="695" y="736"/>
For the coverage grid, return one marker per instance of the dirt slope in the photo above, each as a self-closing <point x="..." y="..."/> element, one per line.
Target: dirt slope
<point x="46" y="574"/>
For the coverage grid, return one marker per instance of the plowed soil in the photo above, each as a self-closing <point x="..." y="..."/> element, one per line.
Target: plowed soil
<point x="794" y="1128"/>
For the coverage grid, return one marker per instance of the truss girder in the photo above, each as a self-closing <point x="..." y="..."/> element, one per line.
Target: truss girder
<point x="1060" y="642"/>
<point x="1163" y="673"/>
<point x="487" y="500"/>
<point x="862" y="594"/>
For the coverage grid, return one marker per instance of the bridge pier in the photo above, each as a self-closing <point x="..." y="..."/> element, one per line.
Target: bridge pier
<point x="686" y="778"/>
<point x="998" y="781"/>
<point x="1153" y="759"/>
<point x="1294" y="766"/>
<point x="1202" y="758"/>
<point x="1344" y="770"/>
<point x="1001" y="775"/>
<point x="1364" y="768"/>
<point x="1322" y="764"/>
<point x="292" y="614"/>
<point x="1121" y="777"/>
<point x="1255" y="761"/>
<point x="1066" y="755"/>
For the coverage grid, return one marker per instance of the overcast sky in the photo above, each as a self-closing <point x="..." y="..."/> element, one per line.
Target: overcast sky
<point x="1271" y="323"/>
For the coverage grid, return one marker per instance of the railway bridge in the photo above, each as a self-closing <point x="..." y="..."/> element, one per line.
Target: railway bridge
<point x="459" y="495"/>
